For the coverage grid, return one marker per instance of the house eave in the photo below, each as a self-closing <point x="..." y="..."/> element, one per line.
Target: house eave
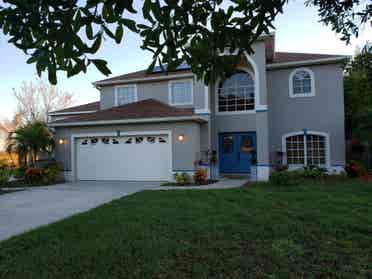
<point x="332" y="60"/>
<point x="145" y="79"/>
<point x="128" y="121"/>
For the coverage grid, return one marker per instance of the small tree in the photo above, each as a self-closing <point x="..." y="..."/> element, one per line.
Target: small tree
<point x="358" y="89"/>
<point x="358" y="99"/>
<point x="29" y="140"/>
<point x="36" y="99"/>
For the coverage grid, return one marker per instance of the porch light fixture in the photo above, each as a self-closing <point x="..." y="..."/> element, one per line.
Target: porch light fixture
<point x="181" y="138"/>
<point x="61" y="141"/>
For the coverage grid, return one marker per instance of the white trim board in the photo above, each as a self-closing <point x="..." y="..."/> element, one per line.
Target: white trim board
<point x="127" y="81"/>
<point x="114" y="134"/>
<point x="128" y="121"/>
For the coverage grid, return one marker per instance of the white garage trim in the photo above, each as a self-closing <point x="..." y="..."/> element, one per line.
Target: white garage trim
<point x="74" y="137"/>
<point x="129" y="121"/>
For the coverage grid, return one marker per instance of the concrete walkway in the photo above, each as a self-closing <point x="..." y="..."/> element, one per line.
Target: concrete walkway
<point x="24" y="210"/>
<point x="225" y="183"/>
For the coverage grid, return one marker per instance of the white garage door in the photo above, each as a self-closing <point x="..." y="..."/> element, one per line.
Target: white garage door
<point x="141" y="157"/>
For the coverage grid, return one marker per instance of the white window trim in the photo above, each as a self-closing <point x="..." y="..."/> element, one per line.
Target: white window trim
<point x="302" y="133"/>
<point x="311" y="73"/>
<point x="256" y="92"/>
<point x="125" y="86"/>
<point x="170" y="83"/>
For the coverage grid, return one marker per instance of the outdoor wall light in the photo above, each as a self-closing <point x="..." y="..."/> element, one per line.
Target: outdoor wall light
<point x="181" y="138"/>
<point x="61" y="141"/>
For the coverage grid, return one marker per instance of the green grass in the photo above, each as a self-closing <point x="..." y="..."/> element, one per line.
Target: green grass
<point x="308" y="231"/>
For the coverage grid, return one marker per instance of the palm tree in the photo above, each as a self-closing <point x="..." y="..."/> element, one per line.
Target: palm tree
<point x="30" y="140"/>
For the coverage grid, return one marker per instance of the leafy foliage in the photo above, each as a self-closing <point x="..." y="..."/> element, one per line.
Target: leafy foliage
<point x="345" y="17"/>
<point x="182" y="178"/>
<point x="355" y="169"/>
<point x="284" y="178"/>
<point x="314" y="172"/>
<point x="358" y="95"/>
<point x="60" y="35"/>
<point x="5" y="173"/>
<point x="30" y="139"/>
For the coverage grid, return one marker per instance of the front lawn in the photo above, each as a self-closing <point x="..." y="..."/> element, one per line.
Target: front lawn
<point x="307" y="231"/>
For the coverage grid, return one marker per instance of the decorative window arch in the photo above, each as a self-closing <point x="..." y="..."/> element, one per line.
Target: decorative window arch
<point x="301" y="83"/>
<point x="306" y="148"/>
<point x="236" y="93"/>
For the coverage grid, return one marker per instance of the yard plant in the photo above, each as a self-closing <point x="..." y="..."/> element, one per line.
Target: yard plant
<point x="312" y="230"/>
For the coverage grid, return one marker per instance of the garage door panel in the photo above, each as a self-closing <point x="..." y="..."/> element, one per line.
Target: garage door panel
<point x="144" y="158"/>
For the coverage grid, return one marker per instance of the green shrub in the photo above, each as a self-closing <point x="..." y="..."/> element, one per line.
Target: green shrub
<point x="355" y="169"/>
<point x="19" y="172"/>
<point x="182" y="178"/>
<point x="50" y="173"/>
<point x="314" y="172"/>
<point x="5" y="174"/>
<point x="284" y="177"/>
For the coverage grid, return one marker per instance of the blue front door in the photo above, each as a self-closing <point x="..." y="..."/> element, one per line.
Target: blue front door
<point x="236" y="151"/>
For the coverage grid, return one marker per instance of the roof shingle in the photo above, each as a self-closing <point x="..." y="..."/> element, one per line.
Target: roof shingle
<point x="81" y="108"/>
<point x="148" y="108"/>
<point x="283" y="57"/>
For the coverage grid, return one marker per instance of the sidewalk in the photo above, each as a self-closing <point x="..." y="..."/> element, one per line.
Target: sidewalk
<point x="225" y="183"/>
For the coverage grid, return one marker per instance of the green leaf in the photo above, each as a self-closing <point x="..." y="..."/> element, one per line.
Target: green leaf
<point x="32" y="59"/>
<point x="108" y="32"/>
<point x="119" y="34"/>
<point x="101" y="65"/>
<point x="96" y="45"/>
<point x="89" y="31"/>
<point x="52" y="75"/>
<point x="131" y="24"/>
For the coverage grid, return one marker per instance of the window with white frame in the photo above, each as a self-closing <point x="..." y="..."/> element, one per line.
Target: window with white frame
<point x="236" y="93"/>
<point x="306" y="149"/>
<point x="180" y="92"/>
<point x="301" y="83"/>
<point x="126" y="95"/>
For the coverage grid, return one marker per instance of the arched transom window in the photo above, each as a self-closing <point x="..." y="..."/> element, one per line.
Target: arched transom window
<point x="236" y="93"/>
<point x="301" y="83"/>
<point x="306" y="149"/>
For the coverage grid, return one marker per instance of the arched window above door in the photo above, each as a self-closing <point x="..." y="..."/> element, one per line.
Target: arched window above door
<point x="237" y="93"/>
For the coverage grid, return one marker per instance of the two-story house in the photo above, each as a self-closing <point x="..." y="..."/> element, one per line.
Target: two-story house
<point x="148" y="126"/>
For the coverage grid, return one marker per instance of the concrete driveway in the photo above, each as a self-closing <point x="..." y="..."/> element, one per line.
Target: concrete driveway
<point x="25" y="210"/>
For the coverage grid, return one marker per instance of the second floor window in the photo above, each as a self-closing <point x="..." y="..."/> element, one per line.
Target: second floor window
<point x="126" y="94"/>
<point x="301" y="83"/>
<point x="236" y="93"/>
<point x="180" y="92"/>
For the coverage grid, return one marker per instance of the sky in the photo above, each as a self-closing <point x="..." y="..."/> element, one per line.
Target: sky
<point x="297" y="30"/>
